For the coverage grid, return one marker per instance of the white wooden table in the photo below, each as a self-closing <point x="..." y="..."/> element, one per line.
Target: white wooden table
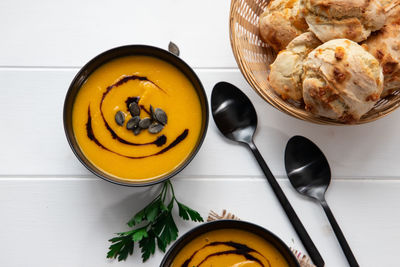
<point x="53" y="212"/>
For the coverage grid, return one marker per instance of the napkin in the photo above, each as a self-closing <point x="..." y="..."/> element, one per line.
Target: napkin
<point x="213" y="216"/>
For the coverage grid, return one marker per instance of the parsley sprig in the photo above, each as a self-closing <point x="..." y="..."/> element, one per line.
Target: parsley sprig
<point x="157" y="226"/>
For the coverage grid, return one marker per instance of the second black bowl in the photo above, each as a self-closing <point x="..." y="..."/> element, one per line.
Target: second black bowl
<point x="229" y="224"/>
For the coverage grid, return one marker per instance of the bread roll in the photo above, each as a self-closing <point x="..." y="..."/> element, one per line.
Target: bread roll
<point x="385" y="46"/>
<point x="281" y="22"/>
<point x="287" y="69"/>
<point x="350" y="19"/>
<point x="341" y="81"/>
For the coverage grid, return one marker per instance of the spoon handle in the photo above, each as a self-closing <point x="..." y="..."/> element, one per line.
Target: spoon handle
<point x="294" y="219"/>
<point x="339" y="235"/>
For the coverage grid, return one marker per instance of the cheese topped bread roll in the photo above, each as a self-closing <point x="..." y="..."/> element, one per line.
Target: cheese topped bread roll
<point x="341" y="81"/>
<point x="281" y="22"/>
<point x="354" y="20"/>
<point x="287" y="69"/>
<point x="385" y="46"/>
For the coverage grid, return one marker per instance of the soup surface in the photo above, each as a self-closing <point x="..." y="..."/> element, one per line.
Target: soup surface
<point x="229" y="248"/>
<point x="147" y="81"/>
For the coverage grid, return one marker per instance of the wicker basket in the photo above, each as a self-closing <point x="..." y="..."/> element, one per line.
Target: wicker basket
<point x="254" y="57"/>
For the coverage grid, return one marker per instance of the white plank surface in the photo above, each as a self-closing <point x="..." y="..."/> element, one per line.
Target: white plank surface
<point x="36" y="97"/>
<point x="55" y="213"/>
<point x="69" y="33"/>
<point x="67" y="221"/>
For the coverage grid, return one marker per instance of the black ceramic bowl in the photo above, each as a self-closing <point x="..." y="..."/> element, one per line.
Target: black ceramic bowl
<point x="229" y="224"/>
<point x="130" y="50"/>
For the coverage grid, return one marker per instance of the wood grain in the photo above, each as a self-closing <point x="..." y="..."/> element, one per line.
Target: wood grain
<point x="66" y="221"/>
<point x="55" y="213"/>
<point x="31" y="106"/>
<point x="69" y="33"/>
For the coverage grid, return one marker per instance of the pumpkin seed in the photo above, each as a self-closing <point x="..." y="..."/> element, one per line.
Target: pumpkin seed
<point x="152" y="116"/>
<point x="161" y="116"/>
<point x="120" y="118"/>
<point x="137" y="130"/>
<point x="155" y="128"/>
<point x="132" y="123"/>
<point x="173" y="48"/>
<point x="134" y="109"/>
<point x="145" y="123"/>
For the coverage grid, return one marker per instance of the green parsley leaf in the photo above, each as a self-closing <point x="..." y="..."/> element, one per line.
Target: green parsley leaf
<point x="123" y="246"/>
<point x="161" y="244"/>
<point x="148" y="246"/>
<point x="159" y="224"/>
<point x="114" y="249"/>
<point x="185" y="212"/>
<point x="138" y="218"/>
<point x="139" y="234"/>
<point x="125" y="250"/>
<point x="153" y="210"/>
<point x="169" y="231"/>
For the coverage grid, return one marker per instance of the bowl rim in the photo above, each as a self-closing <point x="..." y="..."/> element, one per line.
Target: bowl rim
<point x="133" y="50"/>
<point x="228" y="224"/>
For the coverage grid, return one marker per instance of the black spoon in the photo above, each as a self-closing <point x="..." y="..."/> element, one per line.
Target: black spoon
<point x="236" y="118"/>
<point x="309" y="173"/>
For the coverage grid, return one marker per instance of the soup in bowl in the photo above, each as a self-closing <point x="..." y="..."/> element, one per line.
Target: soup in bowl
<point x="229" y="243"/>
<point x="136" y="115"/>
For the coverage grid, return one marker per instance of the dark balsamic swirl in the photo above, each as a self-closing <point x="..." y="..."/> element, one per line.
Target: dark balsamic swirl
<point x="89" y="132"/>
<point x="239" y="249"/>
<point x="91" y="136"/>
<point x="160" y="141"/>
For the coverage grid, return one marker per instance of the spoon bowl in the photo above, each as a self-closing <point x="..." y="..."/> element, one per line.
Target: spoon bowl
<point x="309" y="173"/>
<point x="233" y="113"/>
<point x="307" y="167"/>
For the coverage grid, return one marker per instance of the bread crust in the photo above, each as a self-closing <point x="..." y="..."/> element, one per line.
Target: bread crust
<point x="334" y="19"/>
<point x="287" y="69"/>
<point x="385" y="46"/>
<point x="281" y="22"/>
<point x="341" y="81"/>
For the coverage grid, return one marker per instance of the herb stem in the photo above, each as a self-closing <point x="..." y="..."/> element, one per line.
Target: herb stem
<point x="164" y="191"/>
<point x="172" y="189"/>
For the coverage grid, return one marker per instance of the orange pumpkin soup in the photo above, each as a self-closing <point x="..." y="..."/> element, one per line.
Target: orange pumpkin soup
<point x="229" y="248"/>
<point x="106" y="103"/>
